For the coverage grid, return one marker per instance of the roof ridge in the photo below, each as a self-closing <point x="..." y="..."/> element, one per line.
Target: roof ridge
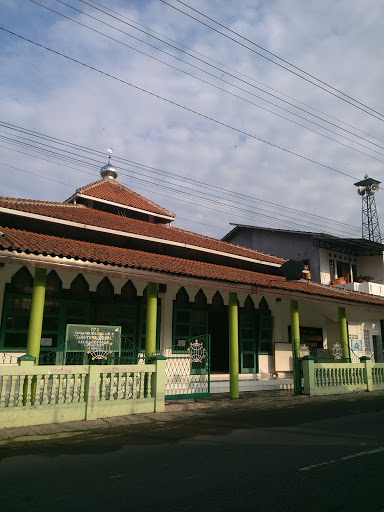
<point x="39" y="201"/>
<point x="248" y="249"/>
<point x="116" y="183"/>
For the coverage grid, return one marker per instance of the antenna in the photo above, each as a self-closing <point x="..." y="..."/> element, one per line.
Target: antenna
<point x="370" y="222"/>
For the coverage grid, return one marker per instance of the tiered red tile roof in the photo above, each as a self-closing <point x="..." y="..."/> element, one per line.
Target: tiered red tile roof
<point x="48" y="245"/>
<point x="111" y="190"/>
<point x="83" y="215"/>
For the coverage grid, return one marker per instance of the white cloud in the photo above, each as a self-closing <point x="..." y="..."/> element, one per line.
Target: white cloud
<point x="338" y="42"/>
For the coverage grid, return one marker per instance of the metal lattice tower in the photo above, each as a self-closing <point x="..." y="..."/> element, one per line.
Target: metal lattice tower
<point x="370" y="222"/>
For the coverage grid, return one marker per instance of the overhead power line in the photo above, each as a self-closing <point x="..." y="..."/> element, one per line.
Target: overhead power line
<point x="220" y="88"/>
<point x="381" y="118"/>
<point x="198" y="187"/>
<point x="183" y="107"/>
<point x="209" y="58"/>
<point x="221" y="70"/>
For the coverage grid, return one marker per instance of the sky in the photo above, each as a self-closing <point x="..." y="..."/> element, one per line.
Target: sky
<point x="216" y="133"/>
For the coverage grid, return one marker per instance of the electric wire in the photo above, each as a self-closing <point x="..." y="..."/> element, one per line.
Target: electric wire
<point x="222" y="64"/>
<point x="188" y="192"/>
<point x="228" y="92"/>
<point x="217" y="68"/>
<point x="228" y="207"/>
<point x="72" y="187"/>
<point x="183" y="107"/>
<point x="223" y="207"/>
<point x="161" y="172"/>
<point x="276" y="63"/>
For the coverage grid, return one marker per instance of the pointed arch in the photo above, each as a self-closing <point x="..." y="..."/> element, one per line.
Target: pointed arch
<point x="217" y="302"/>
<point x="200" y="298"/>
<point x="22" y="281"/>
<point x="263" y="307"/>
<point x="182" y="298"/>
<point x="129" y="292"/>
<point x="54" y="286"/>
<point x="79" y="287"/>
<point x="105" y="289"/>
<point x="249" y="305"/>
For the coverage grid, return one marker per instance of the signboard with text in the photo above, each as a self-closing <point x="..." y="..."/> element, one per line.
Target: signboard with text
<point x="81" y="337"/>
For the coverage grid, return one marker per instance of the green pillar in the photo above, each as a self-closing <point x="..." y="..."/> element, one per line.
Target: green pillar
<point x="233" y="346"/>
<point x="150" y="338"/>
<point x="343" y="333"/>
<point x="37" y="312"/>
<point x="295" y="339"/>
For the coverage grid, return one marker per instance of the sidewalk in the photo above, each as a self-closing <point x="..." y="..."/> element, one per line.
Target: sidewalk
<point x="178" y="410"/>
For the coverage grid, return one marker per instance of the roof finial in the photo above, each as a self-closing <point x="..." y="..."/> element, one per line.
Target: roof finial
<point x="108" y="171"/>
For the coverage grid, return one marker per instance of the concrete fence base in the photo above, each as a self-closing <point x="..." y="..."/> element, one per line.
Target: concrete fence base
<point x="32" y="395"/>
<point x="333" y="378"/>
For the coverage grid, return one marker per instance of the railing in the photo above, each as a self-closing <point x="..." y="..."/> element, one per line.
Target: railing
<point x="326" y="378"/>
<point x="31" y="395"/>
<point x="366" y="287"/>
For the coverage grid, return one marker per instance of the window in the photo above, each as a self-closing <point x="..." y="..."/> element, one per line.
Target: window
<point x="265" y="334"/>
<point x="256" y="334"/>
<point x="187" y="324"/>
<point x="367" y="343"/>
<point x="332" y="270"/>
<point x="190" y="320"/>
<point x="74" y="306"/>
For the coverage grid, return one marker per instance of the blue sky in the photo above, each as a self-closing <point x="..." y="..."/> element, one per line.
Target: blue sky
<point x="341" y="42"/>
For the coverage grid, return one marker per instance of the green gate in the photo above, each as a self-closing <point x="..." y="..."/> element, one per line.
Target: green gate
<point x="187" y="373"/>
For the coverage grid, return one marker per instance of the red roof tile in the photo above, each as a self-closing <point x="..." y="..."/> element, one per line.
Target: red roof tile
<point x="111" y="190"/>
<point x="83" y="215"/>
<point x="18" y="240"/>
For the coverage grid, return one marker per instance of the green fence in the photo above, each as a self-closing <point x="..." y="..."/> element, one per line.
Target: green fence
<point x="32" y="395"/>
<point x="333" y="378"/>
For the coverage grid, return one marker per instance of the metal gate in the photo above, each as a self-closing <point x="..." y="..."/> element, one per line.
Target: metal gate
<point x="187" y="373"/>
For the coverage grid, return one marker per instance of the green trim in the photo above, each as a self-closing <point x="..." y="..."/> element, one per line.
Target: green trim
<point x="188" y="395"/>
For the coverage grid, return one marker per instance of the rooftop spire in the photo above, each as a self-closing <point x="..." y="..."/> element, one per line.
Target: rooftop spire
<point x="108" y="171"/>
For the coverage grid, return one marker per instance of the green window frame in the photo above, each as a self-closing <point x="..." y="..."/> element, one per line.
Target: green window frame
<point x="187" y="323"/>
<point x="60" y="311"/>
<point x="265" y="334"/>
<point x="256" y="338"/>
<point x="249" y="361"/>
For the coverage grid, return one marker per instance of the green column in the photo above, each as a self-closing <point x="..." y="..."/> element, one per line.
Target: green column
<point x="233" y="346"/>
<point x="150" y="338"/>
<point x="343" y="333"/>
<point x="295" y="339"/>
<point x="36" y="315"/>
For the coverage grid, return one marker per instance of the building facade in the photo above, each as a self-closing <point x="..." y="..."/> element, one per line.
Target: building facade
<point x="108" y="256"/>
<point x="351" y="264"/>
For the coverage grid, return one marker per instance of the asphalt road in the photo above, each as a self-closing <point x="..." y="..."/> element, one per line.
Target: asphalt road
<point x="323" y="456"/>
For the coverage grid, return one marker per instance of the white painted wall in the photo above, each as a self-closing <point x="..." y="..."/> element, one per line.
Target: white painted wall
<point x="371" y="266"/>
